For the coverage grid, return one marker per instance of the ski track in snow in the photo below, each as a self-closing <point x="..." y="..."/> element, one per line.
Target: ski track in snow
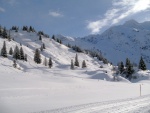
<point x="137" y="105"/>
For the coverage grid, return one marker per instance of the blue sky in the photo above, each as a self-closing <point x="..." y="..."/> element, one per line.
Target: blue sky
<point x="75" y="18"/>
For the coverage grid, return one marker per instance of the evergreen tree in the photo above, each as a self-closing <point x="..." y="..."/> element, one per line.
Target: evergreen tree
<point x="21" y="54"/>
<point x="30" y="29"/>
<point x="14" y="64"/>
<point x="72" y="65"/>
<point x="57" y="40"/>
<point x="53" y="37"/>
<point x="1" y="31"/>
<point x="11" y="51"/>
<point x="84" y="64"/>
<point x="121" y="67"/>
<point x="3" y="50"/>
<point x="16" y="54"/>
<point x="5" y="35"/>
<point x="50" y="63"/>
<point x="44" y="46"/>
<point x="127" y="62"/>
<point x="129" y="70"/>
<point x="25" y="57"/>
<point x="37" y="56"/>
<point x="76" y="61"/>
<point x="40" y="37"/>
<point x="142" y="64"/>
<point x="45" y="62"/>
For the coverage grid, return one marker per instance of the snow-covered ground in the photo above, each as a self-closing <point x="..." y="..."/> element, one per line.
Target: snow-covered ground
<point x="24" y="92"/>
<point x="34" y="88"/>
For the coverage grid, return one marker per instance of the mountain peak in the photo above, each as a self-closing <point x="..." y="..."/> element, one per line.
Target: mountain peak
<point x="131" y="23"/>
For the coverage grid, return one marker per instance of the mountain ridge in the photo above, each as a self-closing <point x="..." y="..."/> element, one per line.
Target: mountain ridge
<point x="129" y="40"/>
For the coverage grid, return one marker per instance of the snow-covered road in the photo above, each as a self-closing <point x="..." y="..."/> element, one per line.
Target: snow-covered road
<point x="136" y="105"/>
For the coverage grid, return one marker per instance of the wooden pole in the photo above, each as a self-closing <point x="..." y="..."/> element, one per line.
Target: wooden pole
<point x="140" y="90"/>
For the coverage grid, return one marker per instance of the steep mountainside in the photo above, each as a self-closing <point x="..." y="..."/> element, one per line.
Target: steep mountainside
<point x="130" y="40"/>
<point x="60" y="54"/>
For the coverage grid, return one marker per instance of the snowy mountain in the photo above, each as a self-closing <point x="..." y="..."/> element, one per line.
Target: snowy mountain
<point x="60" y="54"/>
<point x="36" y="88"/>
<point x="130" y="40"/>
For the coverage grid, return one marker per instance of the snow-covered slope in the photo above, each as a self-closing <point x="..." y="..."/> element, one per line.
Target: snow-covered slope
<point x="130" y="40"/>
<point x="34" y="88"/>
<point x="60" y="54"/>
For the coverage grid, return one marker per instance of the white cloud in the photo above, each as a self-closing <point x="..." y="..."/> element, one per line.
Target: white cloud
<point x="55" y="14"/>
<point x="120" y="10"/>
<point x="2" y="9"/>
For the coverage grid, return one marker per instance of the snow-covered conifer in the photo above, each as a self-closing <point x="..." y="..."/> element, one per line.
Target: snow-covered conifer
<point x="142" y="64"/>
<point x="50" y="63"/>
<point x="37" y="56"/>
<point x="16" y="53"/>
<point x="72" y="65"/>
<point x="76" y="63"/>
<point x="11" y="51"/>
<point x="84" y="64"/>
<point x="4" y="50"/>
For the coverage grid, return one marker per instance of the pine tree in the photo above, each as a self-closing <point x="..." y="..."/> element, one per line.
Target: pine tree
<point x="57" y="40"/>
<point x="11" y="51"/>
<point x="21" y="54"/>
<point x="14" y="64"/>
<point x="72" y="65"/>
<point x="5" y="33"/>
<point x="44" y="46"/>
<point x="121" y="67"/>
<point x="25" y="57"/>
<point x="84" y="64"/>
<point x="76" y="63"/>
<point x="3" y="50"/>
<point x="16" y="54"/>
<point x="45" y="62"/>
<point x="37" y="56"/>
<point x="53" y="37"/>
<point x="1" y="31"/>
<point x="30" y="29"/>
<point x="40" y="37"/>
<point x="129" y="70"/>
<point x="50" y="63"/>
<point x="142" y="64"/>
<point x="127" y="62"/>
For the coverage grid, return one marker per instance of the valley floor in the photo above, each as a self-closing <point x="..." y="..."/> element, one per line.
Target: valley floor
<point x="24" y="92"/>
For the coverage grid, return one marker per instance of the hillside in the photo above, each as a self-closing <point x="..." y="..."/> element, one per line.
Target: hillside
<point x="60" y="54"/>
<point x="130" y="40"/>
<point x="35" y="88"/>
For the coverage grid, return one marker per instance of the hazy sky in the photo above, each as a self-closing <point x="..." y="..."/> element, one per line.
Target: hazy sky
<point x="72" y="17"/>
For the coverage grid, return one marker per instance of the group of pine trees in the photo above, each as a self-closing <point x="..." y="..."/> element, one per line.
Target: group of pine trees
<point x="38" y="60"/>
<point x="42" y="33"/>
<point x="76" y="63"/>
<point x="56" y="39"/>
<point x="4" y="33"/>
<point x="17" y="53"/>
<point x="28" y="29"/>
<point x="128" y="69"/>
